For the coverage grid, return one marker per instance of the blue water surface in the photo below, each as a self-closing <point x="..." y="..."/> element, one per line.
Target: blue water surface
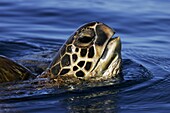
<point x="34" y="30"/>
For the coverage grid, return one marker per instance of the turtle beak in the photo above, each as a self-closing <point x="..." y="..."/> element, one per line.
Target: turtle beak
<point x="106" y="30"/>
<point x="104" y="34"/>
<point x="109" y="63"/>
<point x="112" y="65"/>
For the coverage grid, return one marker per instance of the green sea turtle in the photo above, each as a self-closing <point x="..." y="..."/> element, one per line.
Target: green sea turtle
<point x="90" y="54"/>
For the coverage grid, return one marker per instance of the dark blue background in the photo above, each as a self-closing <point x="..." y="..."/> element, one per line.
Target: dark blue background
<point x="33" y="26"/>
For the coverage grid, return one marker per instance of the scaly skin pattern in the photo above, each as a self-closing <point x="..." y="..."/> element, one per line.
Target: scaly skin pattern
<point x="90" y="54"/>
<point x="81" y="53"/>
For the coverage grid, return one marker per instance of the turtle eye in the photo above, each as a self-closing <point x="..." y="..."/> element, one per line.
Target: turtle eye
<point x="85" y="37"/>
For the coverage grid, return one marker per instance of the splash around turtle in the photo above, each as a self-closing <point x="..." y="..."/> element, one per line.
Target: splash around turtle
<point x="89" y="55"/>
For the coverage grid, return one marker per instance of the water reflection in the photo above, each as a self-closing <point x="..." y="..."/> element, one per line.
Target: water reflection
<point x="29" y="27"/>
<point x="105" y="101"/>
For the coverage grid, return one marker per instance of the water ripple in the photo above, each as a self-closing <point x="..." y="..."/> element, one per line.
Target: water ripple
<point x="31" y="32"/>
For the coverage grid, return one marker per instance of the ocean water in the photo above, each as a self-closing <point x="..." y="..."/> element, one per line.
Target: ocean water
<point x="32" y="31"/>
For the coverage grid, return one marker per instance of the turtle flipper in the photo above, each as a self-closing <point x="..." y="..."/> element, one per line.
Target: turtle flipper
<point x="11" y="71"/>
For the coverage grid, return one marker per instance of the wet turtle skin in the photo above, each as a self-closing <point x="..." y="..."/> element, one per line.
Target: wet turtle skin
<point x="89" y="54"/>
<point x="12" y="71"/>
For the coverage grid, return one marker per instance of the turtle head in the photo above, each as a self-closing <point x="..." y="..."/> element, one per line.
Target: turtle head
<point x="90" y="52"/>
